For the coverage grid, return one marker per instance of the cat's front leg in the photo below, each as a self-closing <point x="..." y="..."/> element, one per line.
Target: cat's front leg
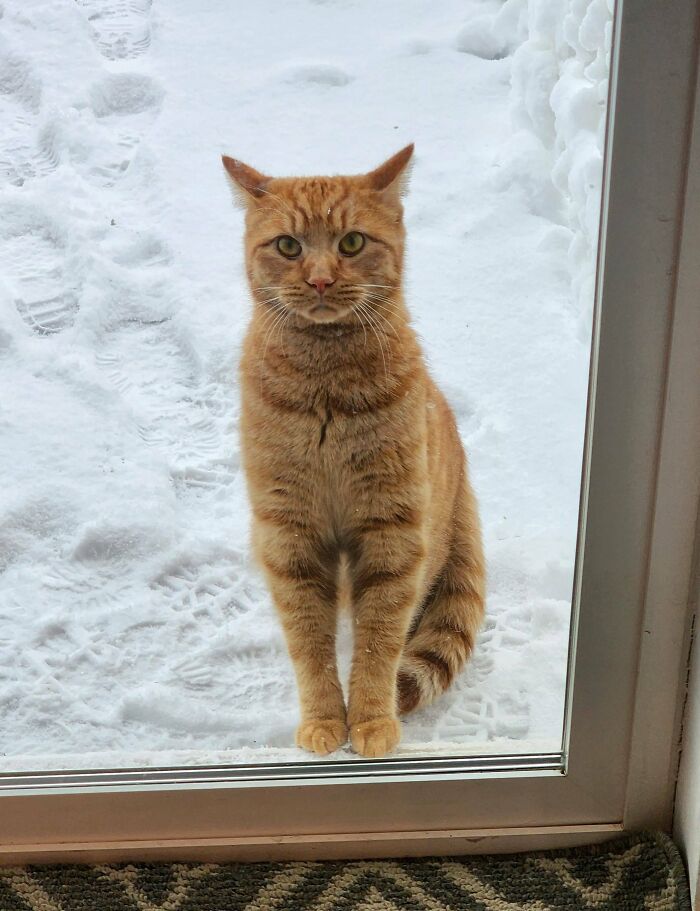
<point x="302" y="576"/>
<point x="387" y="568"/>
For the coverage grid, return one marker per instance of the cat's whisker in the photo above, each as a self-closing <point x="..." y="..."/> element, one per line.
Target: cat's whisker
<point x="280" y="329"/>
<point x="386" y="306"/>
<point x="373" y="327"/>
<point x="270" y="298"/>
<point x="377" y="305"/>
<point x="271" y="295"/>
<point x="390" y="303"/>
<point x="268" y="326"/>
<point x="362" y="323"/>
<point x="377" y="331"/>
<point x="371" y="314"/>
<point x="270" y="315"/>
<point x="267" y="342"/>
<point x="381" y="293"/>
<point x="273" y="304"/>
<point x="362" y="313"/>
<point x="388" y="323"/>
<point x="281" y="317"/>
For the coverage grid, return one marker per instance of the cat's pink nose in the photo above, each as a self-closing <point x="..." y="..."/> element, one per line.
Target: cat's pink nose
<point x="320" y="284"/>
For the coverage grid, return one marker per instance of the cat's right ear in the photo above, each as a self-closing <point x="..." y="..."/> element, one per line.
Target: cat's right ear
<point x="246" y="183"/>
<point x="391" y="178"/>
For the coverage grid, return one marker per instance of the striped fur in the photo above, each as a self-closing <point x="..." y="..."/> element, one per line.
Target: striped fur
<point x="356" y="474"/>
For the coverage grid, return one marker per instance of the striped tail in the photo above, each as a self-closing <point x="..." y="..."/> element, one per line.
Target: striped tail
<point x="448" y="624"/>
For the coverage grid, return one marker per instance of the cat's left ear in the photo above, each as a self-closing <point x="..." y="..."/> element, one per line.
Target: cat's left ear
<point x="391" y="178"/>
<point x="247" y="184"/>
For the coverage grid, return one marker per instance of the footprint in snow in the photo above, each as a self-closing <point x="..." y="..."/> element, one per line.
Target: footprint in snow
<point x="318" y="74"/>
<point x="90" y="587"/>
<point x="26" y="151"/>
<point x="470" y="714"/>
<point x="136" y="249"/>
<point x="512" y="718"/>
<point x="108" y="160"/>
<point x="33" y="263"/>
<point x="192" y="427"/>
<point x="18" y="82"/>
<point x="120" y="29"/>
<point x="119" y="94"/>
<point x="192" y="587"/>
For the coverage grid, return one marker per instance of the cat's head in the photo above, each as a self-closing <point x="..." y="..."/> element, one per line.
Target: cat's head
<point x="323" y="248"/>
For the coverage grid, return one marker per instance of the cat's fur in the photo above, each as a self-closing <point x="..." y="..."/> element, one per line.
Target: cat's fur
<point x="354" y="465"/>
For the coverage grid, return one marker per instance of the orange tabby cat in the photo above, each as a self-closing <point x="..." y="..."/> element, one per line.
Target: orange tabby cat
<point x="355" y="470"/>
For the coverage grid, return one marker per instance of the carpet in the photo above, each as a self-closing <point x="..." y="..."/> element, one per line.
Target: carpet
<point x="642" y="872"/>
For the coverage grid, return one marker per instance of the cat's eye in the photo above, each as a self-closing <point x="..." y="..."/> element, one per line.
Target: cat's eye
<point x="288" y="246"/>
<point x="352" y="243"/>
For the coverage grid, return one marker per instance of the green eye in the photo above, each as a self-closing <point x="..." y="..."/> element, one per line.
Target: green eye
<point x="288" y="246"/>
<point x="352" y="243"/>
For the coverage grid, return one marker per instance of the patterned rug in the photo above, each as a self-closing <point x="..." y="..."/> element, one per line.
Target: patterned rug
<point x="641" y="872"/>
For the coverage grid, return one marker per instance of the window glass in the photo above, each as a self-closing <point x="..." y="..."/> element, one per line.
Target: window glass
<point x="136" y="627"/>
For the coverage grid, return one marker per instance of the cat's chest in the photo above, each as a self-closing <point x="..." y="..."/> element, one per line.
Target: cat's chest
<point x="325" y="434"/>
<point x="335" y="449"/>
<point x="331" y="437"/>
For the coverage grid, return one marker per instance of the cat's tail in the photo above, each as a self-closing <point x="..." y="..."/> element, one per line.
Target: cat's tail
<point x="450" y="617"/>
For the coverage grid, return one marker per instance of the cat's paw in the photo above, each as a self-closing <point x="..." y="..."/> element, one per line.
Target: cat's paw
<point x="376" y="737"/>
<point x="322" y="735"/>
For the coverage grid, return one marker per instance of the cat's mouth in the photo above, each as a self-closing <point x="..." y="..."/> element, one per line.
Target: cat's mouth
<point x="323" y="310"/>
<point x="316" y="310"/>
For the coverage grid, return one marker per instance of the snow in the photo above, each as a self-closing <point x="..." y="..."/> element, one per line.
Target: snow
<point x="559" y="99"/>
<point x="135" y="630"/>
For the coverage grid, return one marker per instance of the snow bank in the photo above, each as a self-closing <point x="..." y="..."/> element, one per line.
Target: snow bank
<point x="559" y="88"/>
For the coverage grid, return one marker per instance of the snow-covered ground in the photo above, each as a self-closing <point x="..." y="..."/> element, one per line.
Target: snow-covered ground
<point x="135" y="630"/>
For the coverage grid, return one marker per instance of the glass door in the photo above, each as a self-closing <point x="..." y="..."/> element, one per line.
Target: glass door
<point x="144" y="656"/>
